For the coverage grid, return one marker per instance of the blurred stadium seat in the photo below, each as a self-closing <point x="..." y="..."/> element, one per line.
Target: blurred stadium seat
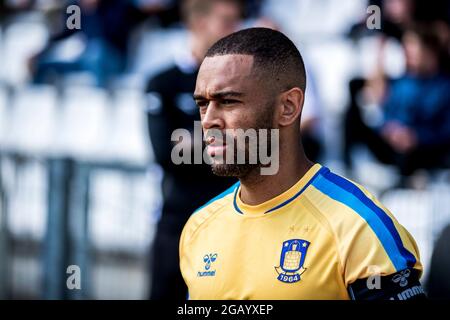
<point x="162" y="46"/>
<point x="3" y="115"/>
<point x="126" y="142"/>
<point x="26" y="36"/>
<point x="30" y="126"/>
<point x="83" y="124"/>
<point x="105" y="130"/>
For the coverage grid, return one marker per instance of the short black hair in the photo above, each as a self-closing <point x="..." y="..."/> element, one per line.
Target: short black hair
<point x="272" y="51"/>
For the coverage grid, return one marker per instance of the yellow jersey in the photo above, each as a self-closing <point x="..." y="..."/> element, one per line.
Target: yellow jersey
<point x="311" y="242"/>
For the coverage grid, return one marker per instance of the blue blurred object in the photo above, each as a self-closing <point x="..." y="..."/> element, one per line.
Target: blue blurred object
<point x="423" y="104"/>
<point x="105" y="30"/>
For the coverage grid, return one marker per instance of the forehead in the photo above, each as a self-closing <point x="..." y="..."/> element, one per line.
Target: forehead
<point x="227" y="72"/>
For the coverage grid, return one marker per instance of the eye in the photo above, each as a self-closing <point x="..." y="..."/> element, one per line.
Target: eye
<point x="228" y="102"/>
<point x="202" y="103"/>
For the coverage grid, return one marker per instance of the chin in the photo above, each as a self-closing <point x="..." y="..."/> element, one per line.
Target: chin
<point x="232" y="170"/>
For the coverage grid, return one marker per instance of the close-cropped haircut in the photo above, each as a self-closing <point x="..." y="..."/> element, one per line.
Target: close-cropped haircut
<point x="275" y="55"/>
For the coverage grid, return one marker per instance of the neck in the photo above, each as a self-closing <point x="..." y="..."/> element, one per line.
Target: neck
<point x="257" y="189"/>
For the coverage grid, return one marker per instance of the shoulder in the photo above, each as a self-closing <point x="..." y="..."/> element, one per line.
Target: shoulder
<point x="360" y="222"/>
<point x="333" y="192"/>
<point x="208" y="211"/>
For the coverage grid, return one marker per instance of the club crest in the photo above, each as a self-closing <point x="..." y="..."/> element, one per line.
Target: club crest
<point x="292" y="258"/>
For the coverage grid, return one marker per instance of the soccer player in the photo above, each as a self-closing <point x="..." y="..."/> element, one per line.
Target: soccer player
<point x="301" y="233"/>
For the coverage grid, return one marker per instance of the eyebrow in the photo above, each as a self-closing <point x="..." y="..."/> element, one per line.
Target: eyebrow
<point x="220" y="95"/>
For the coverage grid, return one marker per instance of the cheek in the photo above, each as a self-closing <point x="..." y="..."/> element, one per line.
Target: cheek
<point x="239" y="118"/>
<point x="258" y="115"/>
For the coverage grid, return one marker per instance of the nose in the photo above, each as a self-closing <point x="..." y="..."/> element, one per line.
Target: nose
<point x="212" y="118"/>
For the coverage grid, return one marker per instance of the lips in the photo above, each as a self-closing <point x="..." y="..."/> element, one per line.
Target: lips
<point x="215" y="150"/>
<point x="215" y="147"/>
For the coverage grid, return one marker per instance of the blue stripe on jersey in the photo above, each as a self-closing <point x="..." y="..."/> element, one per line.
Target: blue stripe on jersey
<point x="349" y="194"/>
<point x="235" y="203"/>
<point x="321" y="171"/>
<point x="220" y="196"/>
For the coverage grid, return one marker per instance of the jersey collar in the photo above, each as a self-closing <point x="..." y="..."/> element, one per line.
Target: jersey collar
<point x="279" y="201"/>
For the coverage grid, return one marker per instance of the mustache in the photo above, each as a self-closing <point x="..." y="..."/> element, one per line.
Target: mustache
<point x="218" y="137"/>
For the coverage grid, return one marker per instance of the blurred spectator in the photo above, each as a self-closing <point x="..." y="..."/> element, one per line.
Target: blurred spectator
<point x="399" y="15"/>
<point x="415" y="128"/>
<point x="99" y="47"/>
<point x="171" y="106"/>
<point x="396" y="16"/>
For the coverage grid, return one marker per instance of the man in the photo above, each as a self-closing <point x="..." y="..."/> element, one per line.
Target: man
<point x="414" y="132"/>
<point x="171" y="107"/>
<point x="301" y="233"/>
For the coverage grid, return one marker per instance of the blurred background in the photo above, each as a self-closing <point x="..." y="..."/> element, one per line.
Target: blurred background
<point x="86" y="116"/>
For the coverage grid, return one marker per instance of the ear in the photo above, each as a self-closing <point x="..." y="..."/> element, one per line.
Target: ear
<point x="291" y="107"/>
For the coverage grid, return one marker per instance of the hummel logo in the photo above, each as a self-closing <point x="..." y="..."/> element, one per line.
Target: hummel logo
<point x="402" y="278"/>
<point x="208" y="260"/>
